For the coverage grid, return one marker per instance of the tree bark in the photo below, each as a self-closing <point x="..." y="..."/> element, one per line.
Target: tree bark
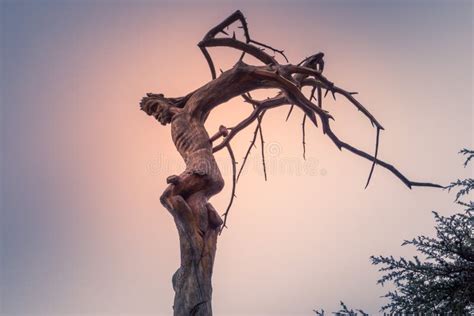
<point x="197" y="222"/>
<point x="192" y="281"/>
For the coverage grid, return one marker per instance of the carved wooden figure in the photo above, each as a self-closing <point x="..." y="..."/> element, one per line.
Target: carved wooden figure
<point x="187" y="196"/>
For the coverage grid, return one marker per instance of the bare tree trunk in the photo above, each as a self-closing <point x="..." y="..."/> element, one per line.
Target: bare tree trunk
<point x="192" y="281"/>
<point x="197" y="222"/>
<point x="187" y="196"/>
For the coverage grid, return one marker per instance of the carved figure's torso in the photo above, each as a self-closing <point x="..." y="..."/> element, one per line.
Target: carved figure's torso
<point x="192" y="142"/>
<point x="189" y="135"/>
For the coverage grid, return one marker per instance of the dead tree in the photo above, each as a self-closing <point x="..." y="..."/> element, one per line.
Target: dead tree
<point x="187" y="196"/>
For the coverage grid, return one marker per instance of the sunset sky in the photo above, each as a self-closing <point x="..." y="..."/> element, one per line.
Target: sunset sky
<point x="82" y="229"/>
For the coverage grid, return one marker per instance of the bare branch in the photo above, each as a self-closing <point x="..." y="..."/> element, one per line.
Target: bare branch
<point x="289" y="112"/>
<point x="244" y="47"/>
<point x="190" y="190"/>
<point x="262" y="105"/>
<point x="252" y="144"/>
<point x="255" y="103"/>
<point x="375" y="157"/>
<point x="347" y="95"/>
<point x="304" y="135"/>
<point x="209" y="61"/>
<point x="340" y="144"/>
<point x="236" y="16"/>
<point x="320" y="97"/>
<point x="262" y="143"/>
<point x="210" y="40"/>
<point x="281" y="52"/>
<point x="234" y="183"/>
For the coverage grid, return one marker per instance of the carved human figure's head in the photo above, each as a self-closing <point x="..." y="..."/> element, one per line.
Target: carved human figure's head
<point x="157" y="106"/>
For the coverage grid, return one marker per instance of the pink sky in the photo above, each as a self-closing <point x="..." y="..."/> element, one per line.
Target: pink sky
<point x="82" y="168"/>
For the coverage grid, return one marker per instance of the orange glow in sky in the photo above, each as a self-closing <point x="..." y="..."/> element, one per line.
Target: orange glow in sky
<point x="82" y="167"/>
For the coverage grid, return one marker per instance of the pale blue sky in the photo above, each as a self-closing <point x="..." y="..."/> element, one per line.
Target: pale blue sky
<point x="81" y="229"/>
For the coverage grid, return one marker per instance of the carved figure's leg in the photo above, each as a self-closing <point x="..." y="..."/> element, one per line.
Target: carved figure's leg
<point x="215" y="220"/>
<point x="164" y="198"/>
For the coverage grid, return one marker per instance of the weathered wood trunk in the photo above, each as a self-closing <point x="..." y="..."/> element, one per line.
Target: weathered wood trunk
<point x="197" y="222"/>
<point x="187" y="195"/>
<point x="192" y="281"/>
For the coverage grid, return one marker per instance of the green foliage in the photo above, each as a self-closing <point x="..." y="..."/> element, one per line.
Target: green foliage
<point x="444" y="281"/>
<point x="468" y="153"/>
<point x="465" y="185"/>
<point x="344" y="311"/>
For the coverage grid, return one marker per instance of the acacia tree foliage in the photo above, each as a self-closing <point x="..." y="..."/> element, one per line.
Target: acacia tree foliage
<point x="444" y="281"/>
<point x="343" y="311"/>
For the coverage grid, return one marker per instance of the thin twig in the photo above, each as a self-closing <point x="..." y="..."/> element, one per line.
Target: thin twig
<point x="252" y="144"/>
<point x="320" y="97"/>
<point x="262" y="143"/>
<point x="289" y="112"/>
<point x="281" y="52"/>
<point x="311" y="97"/>
<point x="375" y="157"/>
<point x="234" y="182"/>
<point x="304" y="135"/>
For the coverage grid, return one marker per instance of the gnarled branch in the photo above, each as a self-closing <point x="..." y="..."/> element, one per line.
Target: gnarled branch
<point x="187" y="196"/>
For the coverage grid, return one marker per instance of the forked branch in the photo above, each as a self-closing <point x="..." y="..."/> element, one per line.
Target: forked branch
<point x="187" y="195"/>
<point x="289" y="79"/>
